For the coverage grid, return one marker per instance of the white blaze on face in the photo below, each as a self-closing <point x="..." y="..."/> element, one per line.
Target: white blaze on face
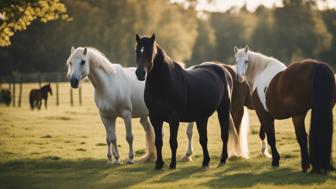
<point x="241" y="63"/>
<point x="142" y="50"/>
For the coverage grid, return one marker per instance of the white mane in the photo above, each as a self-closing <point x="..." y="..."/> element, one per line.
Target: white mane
<point x="98" y="59"/>
<point x="95" y="58"/>
<point x="260" y="71"/>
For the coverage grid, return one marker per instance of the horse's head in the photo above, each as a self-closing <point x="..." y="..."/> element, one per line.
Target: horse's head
<point x="241" y="56"/>
<point x="145" y="54"/>
<point x="78" y="68"/>
<point x="49" y="89"/>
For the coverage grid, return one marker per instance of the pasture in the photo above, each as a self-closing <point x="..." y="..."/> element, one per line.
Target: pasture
<point x="64" y="147"/>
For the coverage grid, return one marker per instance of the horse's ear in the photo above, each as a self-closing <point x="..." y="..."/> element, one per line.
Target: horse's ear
<point x="246" y="48"/>
<point x="137" y="37"/>
<point x="235" y="49"/>
<point x="85" y="51"/>
<point x="72" y="49"/>
<point x="153" y="37"/>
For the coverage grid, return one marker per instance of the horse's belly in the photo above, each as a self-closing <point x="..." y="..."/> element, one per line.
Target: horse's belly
<point x="290" y="93"/>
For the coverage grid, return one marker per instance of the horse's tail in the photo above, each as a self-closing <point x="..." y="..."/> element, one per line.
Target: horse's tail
<point x="233" y="146"/>
<point x="243" y="133"/>
<point x="31" y="100"/>
<point x="321" y="129"/>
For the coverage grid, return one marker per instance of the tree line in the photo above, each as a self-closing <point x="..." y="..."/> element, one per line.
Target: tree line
<point x="295" y="31"/>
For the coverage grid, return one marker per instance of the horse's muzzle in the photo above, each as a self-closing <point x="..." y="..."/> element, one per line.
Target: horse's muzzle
<point x="141" y="74"/>
<point x="74" y="82"/>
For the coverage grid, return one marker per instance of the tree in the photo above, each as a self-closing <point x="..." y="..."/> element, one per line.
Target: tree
<point x="17" y="15"/>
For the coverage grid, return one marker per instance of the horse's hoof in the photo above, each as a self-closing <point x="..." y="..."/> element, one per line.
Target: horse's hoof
<point x="187" y="158"/>
<point x="159" y="165"/>
<point x="147" y="158"/>
<point x="205" y="167"/>
<point x="131" y="162"/>
<point x="275" y="164"/>
<point x="266" y="154"/>
<point x="315" y="171"/>
<point x="221" y="164"/>
<point x="117" y="162"/>
<point x="109" y="163"/>
<point x="172" y="166"/>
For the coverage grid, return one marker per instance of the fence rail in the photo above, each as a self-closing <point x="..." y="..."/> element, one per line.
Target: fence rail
<point x="19" y="82"/>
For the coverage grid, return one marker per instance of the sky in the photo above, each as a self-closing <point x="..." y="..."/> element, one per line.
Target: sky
<point x="223" y="5"/>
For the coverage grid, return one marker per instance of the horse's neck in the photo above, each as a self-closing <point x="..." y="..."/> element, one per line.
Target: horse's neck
<point x="161" y="68"/>
<point x="262" y="69"/>
<point x="99" y="79"/>
<point x="257" y="64"/>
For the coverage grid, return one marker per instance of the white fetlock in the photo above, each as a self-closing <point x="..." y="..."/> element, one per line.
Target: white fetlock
<point x="187" y="158"/>
<point x="131" y="161"/>
<point x="117" y="162"/>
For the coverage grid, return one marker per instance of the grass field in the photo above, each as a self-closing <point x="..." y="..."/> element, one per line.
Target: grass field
<point x="64" y="147"/>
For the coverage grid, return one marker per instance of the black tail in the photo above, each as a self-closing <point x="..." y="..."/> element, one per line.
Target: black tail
<point x="321" y="129"/>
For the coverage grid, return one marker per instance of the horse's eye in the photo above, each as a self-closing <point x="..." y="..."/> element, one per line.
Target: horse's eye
<point x="70" y="63"/>
<point x="82" y="62"/>
<point x="246" y="61"/>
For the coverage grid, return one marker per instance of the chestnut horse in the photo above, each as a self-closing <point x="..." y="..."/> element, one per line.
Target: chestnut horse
<point x="174" y="95"/>
<point x="281" y="92"/>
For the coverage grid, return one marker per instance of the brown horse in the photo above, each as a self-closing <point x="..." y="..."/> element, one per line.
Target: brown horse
<point x="37" y="95"/>
<point x="280" y="93"/>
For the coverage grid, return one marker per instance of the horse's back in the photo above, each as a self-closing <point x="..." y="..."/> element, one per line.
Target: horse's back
<point x="207" y="85"/>
<point x="292" y="89"/>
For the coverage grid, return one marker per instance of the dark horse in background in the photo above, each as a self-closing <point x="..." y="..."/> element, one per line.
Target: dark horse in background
<point x="173" y="94"/>
<point x="37" y="95"/>
<point x="5" y="96"/>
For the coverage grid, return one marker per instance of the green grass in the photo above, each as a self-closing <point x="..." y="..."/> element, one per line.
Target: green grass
<point x="64" y="147"/>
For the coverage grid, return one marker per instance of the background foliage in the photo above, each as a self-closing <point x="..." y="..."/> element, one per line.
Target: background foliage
<point x="292" y="32"/>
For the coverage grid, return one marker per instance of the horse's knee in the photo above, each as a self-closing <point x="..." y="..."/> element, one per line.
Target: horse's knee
<point x="129" y="137"/>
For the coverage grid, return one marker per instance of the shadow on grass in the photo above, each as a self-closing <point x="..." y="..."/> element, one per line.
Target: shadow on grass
<point x="51" y="172"/>
<point x="54" y="172"/>
<point x="274" y="176"/>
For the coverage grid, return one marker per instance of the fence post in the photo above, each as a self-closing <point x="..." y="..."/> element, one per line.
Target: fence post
<point x="13" y="91"/>
<point x="20" y="91"/>
<point x="39" y="78"/>
<point x="71" y="97"/>
<point x="80" y="95"/>
<point x="57" y="88"/>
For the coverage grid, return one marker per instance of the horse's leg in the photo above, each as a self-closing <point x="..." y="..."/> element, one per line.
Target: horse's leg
<point x="264" y="144"/>
<point x="109" y="124"/>
<point x="301" y="137"/>
<point x="129" y="136"/>
<point x="224" y="118"/>
<point x="268" y="124"/>
<point x="157" y="124"/>
<point x="150" y="140"/>
<point x="189" y="133"/>
<point x="39" y="102"/>
<point x="173" y="127"/>
<point x="45" y="103"/>
<point x="203" y="139"/>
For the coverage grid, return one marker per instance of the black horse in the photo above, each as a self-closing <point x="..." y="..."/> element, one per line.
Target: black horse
<point x="173" y="94"/>
<point x="36" y="96"/>
<point x="5" y="96"/>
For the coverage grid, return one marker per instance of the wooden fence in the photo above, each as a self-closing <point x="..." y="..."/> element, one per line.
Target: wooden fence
<point x="54" y="78"/>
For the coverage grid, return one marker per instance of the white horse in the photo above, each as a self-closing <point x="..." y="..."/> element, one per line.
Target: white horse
<point x="118" y="93"/>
